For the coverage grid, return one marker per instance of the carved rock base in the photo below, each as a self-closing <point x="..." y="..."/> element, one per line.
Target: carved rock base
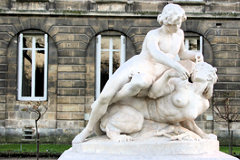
<point x="152" y="149"/>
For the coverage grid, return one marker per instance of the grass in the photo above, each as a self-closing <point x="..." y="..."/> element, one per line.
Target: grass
<point x="58" y="149"/>
<point x="236" y="150"/>
<point x="30" y="149"/>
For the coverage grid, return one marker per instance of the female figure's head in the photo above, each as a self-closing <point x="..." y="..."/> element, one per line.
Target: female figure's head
<point x="172" y="15"/>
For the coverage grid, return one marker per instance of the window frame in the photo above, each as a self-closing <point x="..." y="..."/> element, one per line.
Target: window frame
<point x="20" y="67"/>
<point x="110" y="50"/>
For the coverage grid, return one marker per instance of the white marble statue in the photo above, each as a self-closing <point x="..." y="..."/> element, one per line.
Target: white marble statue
<point x="150" y="75"/>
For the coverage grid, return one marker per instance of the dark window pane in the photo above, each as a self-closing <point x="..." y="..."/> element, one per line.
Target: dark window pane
<point x="198" y="44"/>
<point x="116" y="60"/>
<point x="105" y="42"/>
<point x="116" y="42"/>
<point x="192" y="44"/>
<point x="39" y="73"/>
<point x="104" y="68"/>
<point x="39" y="41"/>
<point x="27" y="73"/>
<point x="27" y="42"/>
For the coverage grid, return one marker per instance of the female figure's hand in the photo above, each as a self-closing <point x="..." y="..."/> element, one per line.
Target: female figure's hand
<point x="183" y="72"/>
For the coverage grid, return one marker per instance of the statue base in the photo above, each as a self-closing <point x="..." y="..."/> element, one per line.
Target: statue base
<point x="154" y="148"/>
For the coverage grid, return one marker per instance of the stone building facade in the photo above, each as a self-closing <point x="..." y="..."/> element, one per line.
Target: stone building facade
<point x="67" y="32"/>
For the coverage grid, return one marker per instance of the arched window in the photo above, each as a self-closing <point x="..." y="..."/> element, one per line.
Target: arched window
<point x="32" y="66"/>
<point x="110" y="54"/>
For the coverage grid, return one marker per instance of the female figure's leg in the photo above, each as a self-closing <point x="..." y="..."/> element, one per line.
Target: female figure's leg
<point x="117" y="88"/>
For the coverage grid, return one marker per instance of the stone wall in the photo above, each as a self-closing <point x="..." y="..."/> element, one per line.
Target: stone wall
<point x="72" y="27"/>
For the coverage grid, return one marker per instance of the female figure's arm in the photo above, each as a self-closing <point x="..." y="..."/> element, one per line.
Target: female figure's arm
<point x="184" y="54"/>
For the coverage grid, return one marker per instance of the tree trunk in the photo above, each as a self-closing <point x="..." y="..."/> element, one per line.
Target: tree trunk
<point x="231" y="141"/>
<point x="229" y="138"/>
<point x="37" y="140"/>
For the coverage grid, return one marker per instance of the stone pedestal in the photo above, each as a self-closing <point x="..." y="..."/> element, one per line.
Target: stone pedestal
<point x="151" y="149"/>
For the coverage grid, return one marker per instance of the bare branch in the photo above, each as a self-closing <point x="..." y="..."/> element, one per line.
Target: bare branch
<point x="228" y="115"/>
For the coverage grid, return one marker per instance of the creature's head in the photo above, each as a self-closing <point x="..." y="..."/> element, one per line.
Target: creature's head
<point x="204" y="72"/>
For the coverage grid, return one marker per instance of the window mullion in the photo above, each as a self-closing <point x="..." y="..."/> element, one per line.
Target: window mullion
<point x="187" y="44"/>
<point x="45" y="66"/>
<point x="98" y="66"/>
<point x="123" y="50"/>
<point x="110" y="57"/>
<point x="33" y="66"/>
<point x="20" y="65"/>
<point x="201" y="44"/>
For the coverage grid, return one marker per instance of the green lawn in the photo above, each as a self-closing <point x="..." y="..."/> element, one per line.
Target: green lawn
<point x="236" y="150"/>
<point x="31" y="148"/>
<point x="58" y="149"/>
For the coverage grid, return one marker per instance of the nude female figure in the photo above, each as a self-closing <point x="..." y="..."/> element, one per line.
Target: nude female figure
<point x="160" y="50"/>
